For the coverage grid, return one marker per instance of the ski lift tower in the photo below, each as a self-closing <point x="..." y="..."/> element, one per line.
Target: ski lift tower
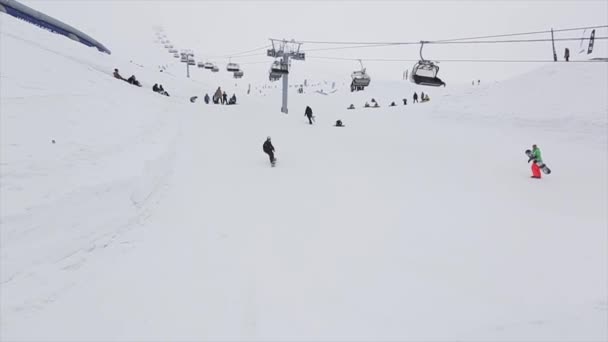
<point x="286" y="50"/>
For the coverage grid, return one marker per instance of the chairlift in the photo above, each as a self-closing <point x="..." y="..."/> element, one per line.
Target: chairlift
<point x="279" y="67"/>
<point x="208" y="65"/>
<point x="274" y="77"/>
<point x="191" y="61"/>
<point x="176" y="55"/>
<point x="215" y="68"/>
<point x="360" y="79"/>
<point x="425" y="72"/>
<point x="238" y="74"/>
<point x="184" y="59"/>
<point x="200" y="65"/>
<point x="232" y="67"/>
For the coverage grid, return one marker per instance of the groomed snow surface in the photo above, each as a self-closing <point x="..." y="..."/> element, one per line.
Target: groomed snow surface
<point x="152" y="218"/>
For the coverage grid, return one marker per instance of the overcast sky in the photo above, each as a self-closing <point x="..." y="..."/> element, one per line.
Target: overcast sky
<point x="213" y="28"/>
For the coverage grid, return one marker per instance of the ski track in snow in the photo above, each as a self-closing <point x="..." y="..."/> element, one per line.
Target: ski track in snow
<point x="151" y="218"/>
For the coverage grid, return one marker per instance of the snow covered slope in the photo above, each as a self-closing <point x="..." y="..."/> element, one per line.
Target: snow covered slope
<point x="152" y="218"/>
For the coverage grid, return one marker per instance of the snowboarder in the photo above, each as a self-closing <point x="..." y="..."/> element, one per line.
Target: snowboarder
<point x="269" y="150"/>
<point x="536" y="158"/>
<point x="308" y="114"/>
<point x="415" y="97"/>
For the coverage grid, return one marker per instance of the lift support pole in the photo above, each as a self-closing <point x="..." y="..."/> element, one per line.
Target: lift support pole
<point x="287" y="50"/>
<point x="553" y="43"/>
<point x="285" y="86"/>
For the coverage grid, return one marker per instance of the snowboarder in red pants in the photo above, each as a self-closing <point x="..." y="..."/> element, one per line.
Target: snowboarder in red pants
<point x="535" y="158"/>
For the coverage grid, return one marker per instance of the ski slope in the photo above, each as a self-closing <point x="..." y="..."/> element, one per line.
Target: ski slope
<point x="152" y="218"/>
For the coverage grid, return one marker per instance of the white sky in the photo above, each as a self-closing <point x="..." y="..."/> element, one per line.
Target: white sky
<point x="223" y="27"/>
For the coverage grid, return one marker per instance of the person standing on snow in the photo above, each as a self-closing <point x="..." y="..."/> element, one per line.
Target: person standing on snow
<point x="535" y="158"/>
<point x="308" y="114"/>
<point x="415" y="98"/>
<point x="269" y="150"/>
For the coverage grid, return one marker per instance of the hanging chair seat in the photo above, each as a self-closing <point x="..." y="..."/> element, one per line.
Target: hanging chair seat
<point x="428" y="81"/>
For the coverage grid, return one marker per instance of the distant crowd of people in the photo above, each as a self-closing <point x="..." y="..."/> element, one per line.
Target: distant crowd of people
<point x="131" y="80"/>
<point x="218" y="97"/>
<point x="374" y="104"/>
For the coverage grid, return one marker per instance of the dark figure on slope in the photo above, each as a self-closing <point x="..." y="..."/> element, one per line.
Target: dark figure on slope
<point x="132" y="80"/>
<point x="308" y="114"/>
<point x="415" y="98"/>
<point x="224" y="98"/>
<point x="269" y="150"/>
<point x="207" y="98"/>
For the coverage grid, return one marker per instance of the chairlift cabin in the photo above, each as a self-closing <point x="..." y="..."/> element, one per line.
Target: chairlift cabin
<point x="360" y="79"/>
<point x="425" y="72"/>
<point x="208" y="65"/>
<point x="215" y="68"/>
<point x="200" y="65"/>
<point x="278" y="67"/>
<point x="232" y="67"/>
<point x="274" y="77"/>
<point x="191" y="62"/>
<point x="184" y="59"/>
<point x="238" y="74"/>
<point x="176" y="55"/>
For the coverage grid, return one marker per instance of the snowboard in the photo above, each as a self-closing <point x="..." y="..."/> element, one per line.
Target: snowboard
<point x="541" y="165"/>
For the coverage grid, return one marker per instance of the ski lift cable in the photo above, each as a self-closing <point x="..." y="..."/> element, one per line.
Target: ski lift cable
<point x="511" y="41"/>
<point x="452" y="39"/>
<point x="454" y="60"/>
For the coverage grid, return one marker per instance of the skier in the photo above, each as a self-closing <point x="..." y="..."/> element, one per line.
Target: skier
<point x="415" y="98"/>
<point x="308" y="114"/>
<point x="535" y="158"/>
<point x="269" y="150"/>
<point x="567" y="54"/>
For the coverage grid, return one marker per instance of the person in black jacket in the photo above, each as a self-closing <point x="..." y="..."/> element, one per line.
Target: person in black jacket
<point x="308" y="114"/>
<point x="269" y="150"/>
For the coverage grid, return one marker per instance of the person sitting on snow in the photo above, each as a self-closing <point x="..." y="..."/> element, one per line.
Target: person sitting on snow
<point x="339" y="123"/>
<point x="352" y="106"/>
<point x="117" y="75"/>
<point x="155" y="88"/>
<point x="232" y="99"/>
<point x="392" y="104"/>
<point x="132" y="80"/>
<point x="366" y="105"/>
